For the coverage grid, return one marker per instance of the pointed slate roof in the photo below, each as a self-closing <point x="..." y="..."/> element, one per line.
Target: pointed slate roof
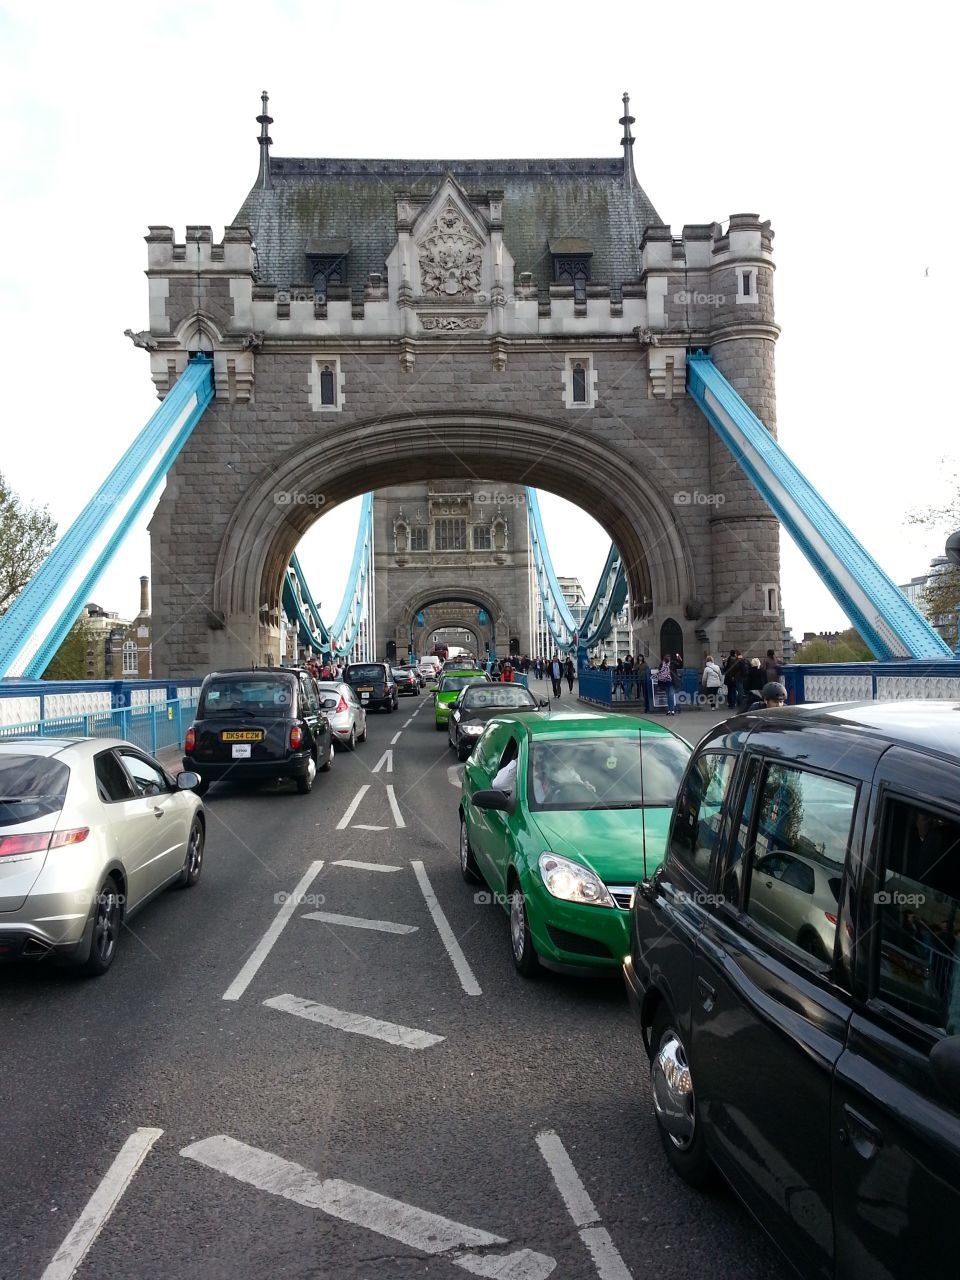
<point x="310" y="201"/>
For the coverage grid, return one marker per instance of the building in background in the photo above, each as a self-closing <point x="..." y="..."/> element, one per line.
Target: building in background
<point x="105" y="632"/>
<point x="915" y="591"/>
<point x="131" y="654"/>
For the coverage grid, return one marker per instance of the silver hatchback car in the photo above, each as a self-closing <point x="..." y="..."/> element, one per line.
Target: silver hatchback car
<point x="340" y="704"/>
<point x="90" y="830"/>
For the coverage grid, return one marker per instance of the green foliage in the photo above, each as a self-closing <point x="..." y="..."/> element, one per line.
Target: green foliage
<point x="26" y="535"/>
<point x="940" y="600"/>
<point x="848" y="647"/>
<point x="70" y="660"/>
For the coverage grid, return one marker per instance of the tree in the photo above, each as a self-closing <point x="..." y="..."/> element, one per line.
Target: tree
<point x="940" y="599"/>
<point x="26" y="535"/>
<point x="848" y="647"/>
<point x="70" y="660"/>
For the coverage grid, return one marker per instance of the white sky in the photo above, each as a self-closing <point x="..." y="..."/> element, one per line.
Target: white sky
<point x="836" y="122"/>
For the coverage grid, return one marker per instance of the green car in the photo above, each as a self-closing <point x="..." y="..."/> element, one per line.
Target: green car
<point x="551" y="817"/>
<point x="449" y="687"/>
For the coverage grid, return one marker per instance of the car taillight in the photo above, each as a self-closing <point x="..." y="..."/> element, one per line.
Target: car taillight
<point x="296" y="737"/>
<point x="342" y="704"/>
<point x="830" y="919"/>
<point x="40" y="841"/>
<point x="190" y="741"/>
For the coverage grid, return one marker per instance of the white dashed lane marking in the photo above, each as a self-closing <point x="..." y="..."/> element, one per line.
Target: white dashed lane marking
<point x="365" y="866"/>
<point x="469" y="983"/>
<point x="356" y="1023"/>
<point x="606" y="1257"/>
<point x="352" y="807"/>
<point x="360" y="922"/>
<point x="264" y="946"/>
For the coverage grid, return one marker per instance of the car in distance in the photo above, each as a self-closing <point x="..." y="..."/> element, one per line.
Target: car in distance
<point x="449" y="686"/>
<point x="478" y="703"/>
<point x="344" y="711"/>
<point x="822" y="1080"/>
<point x="373" y="684"/>
<point x="407" y="682"/>
<point x="259" y="725"/>
<point x="428" y="667"/>
<point x="90" y="830"/>
<point x="562" y="815"/>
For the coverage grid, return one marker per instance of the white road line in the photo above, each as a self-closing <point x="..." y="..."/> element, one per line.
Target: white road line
<point x="365" y="866"/>
<point x="385" y="762"/>
<point x="395" y="739"/>
<point x="606" y="1257"/>
<point x="406" y="724"/>
<point x="101" y="1204"/>
<point x="256" y="958"/>
<point x="455" y="775"/>
<point x="352" y="807"/>
<point x="358" y="1023"/>
<point x="360" y="922"/>
<point x="469" y="983"/>
<point x="408" y="1225"/>
<point x="397" y="815"/>
<point x="366" y="826"/>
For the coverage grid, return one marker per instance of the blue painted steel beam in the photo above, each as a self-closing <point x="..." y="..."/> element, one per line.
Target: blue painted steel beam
<point x="36" y="623"/>
<point x="301" y="607"/>
<point x="879" y="610"/>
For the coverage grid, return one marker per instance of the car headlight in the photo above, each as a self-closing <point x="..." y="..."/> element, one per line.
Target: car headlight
<point x="572" y="882"/>
<point x="472" y="728"/>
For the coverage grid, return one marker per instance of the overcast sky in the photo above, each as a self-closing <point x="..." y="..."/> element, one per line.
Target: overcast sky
<point x="836" y="122"/>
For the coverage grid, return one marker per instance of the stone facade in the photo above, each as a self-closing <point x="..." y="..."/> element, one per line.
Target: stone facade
<point x="457" y="357"/>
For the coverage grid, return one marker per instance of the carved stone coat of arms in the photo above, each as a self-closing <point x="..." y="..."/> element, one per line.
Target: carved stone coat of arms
<point x="450" y="256"/>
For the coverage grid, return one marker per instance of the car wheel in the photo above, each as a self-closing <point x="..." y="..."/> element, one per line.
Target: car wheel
<point x="328" y="763"/>
<point x="674" y="1102"/>
<point x="468" y="865"/>
<point x="352" y="740"/>
<point x="363" y="736"/>
<point x="305" y="783"/>
<point x="440" y="726"/>
<point x="193" y="862"/>
<point x="525" y="959"/>
<point x="106" y="929"/>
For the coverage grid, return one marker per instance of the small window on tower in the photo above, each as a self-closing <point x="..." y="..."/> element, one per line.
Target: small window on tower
<point x="579" y="384"/>
<point x="481" y="537"/>
<point x="579" y="381"/>
<point x="747" y="284"/>
<point x="328" y="386"/>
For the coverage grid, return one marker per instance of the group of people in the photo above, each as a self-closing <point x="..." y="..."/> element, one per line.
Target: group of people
<point x="329" y="670"/>
<point x="749" y="682"/>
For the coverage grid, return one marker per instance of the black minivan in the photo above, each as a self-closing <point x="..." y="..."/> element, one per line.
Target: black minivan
<point x="373" y="684"/>
<point x="795" y="966"/>
<point x="259" y="724"/>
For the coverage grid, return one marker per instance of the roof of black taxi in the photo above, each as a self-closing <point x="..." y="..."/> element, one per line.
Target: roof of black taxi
<point x="930" y="725"/>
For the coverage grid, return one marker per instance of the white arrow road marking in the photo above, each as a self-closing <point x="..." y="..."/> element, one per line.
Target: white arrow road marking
<point x="395" y="739"/>
<point x="397" y="816"/>
<point x="256" y="958"/>
<point x="366" y="826"/>
<point x="101" y="1204"/>
<point x="358" y="1023"/>
<point x="360" y="922"/>
<point x="469" y="983"/>
<point x="365" y="866"/>
<point x="455" y="775"/>
<point x="352" y="807"/>
<point x="405" y="1223"/>
<point x="606" y="1257"/>
<point x="385" y="761"/>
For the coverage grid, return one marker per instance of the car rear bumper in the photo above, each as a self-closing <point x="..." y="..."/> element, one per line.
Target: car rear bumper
<point x="294" y="766"/>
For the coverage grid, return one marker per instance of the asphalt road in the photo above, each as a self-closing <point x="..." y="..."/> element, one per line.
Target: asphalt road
<point x="501" y="1125"/>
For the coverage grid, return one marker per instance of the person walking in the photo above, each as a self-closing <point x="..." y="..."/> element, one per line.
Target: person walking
<point x="755" y="678"/>
<point x="506" y="673"/>
<point x="665" y="681"/>
<point x="556" y="675"/>
<point x="618" y="679"/>
<point x="643" y="680"/>
<point x="712" y="681"/>
<point x="570" y="671"/>
<point x="772" y="668"/>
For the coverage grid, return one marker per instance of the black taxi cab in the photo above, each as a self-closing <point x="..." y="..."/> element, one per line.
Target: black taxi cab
<point x="795" y="967"/>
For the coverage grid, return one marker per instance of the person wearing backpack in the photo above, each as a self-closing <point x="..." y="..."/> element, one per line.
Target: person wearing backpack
<point x="665" y="681"/>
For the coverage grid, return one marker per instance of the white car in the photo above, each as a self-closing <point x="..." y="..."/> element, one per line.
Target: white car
<point x="345" y="712"/>
<point x="90" y="830"/>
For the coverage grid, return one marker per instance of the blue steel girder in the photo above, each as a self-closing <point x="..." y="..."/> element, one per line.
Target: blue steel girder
<point x="881" y="613"/>
<point x="300" y="606"/>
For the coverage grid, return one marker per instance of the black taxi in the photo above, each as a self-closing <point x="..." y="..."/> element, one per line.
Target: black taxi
<point x="795" y="967"/>
<point x="258" y="724"/>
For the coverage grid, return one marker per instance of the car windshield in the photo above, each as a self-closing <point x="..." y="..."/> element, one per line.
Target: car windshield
<point x="30" y="787"/>
<point x="245" y="696"/>
<point x="501" y="697"/>
<point x="363" y="671"/>
<point x="451" y="684"/>
<point x="605" y="772"/>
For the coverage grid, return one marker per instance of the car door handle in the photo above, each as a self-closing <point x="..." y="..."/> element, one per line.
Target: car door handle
<point x="158" y="812"/>
<point x="864" y="1137"/>
<point x="708" y="994"/>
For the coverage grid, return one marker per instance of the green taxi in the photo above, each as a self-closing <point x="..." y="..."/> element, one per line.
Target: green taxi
<point x="562" y="814"/>
<point x="448" y="689"/>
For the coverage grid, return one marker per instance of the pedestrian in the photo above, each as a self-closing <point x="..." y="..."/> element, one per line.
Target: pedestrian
<point x="676" y="678"/>
<point x="506" y="674"/>
<point x="755" y="678"/>
<point x="570" y="671"/>
<point x="711" y="680"/>
<point x="644" y="680"/>
<point x="665" y="681"/>
<point x="618" y="679"/>
<point x="628" y="676"/>
<point x="773" y="694"/>
<point x="772" y="668"/>
<point x="556" y="675"/>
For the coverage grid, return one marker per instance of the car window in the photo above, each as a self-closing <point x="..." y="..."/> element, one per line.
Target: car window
<point x="606" y="772"/>
<point x="308" y="692"/>
<point x="918" y="916"/>
<point x="356" y="674"/>
<point x="245" y="696"/>
<point x="803" y="822"/>
<point x="487" y="752"/>
<point x="483" y="697"/>
<point x="449" y="684"/>
<point x="147" y="779"/>
<point x="698" y="816"/>
<point x="31" y="787"/>
<point x="731" y="871"/>
<point x="113" y="784"/>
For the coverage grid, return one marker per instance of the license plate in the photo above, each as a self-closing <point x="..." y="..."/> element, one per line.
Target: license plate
<point x="241" y="750"/>
<point x="367" y="690"/>
<point x="241" y="735"/>
<point x="364" y="697"/>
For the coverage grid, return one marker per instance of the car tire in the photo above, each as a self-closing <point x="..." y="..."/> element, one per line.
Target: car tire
<point x="674" y="1102"/>
<point x="328" y="763"/>
<point x="440" y="726"/>
<point x="107" y="916"/>
<point x="352" y="740"/>
<point x="305" y="782"/>
<point x="525" y="959"/>
<point x="468" y="864"/>
<point x="363" y="736"/>
<point x="193" y="862"/>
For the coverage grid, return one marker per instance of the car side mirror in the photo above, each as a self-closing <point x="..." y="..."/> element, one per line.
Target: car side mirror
<point x="492" y="798"/>
<point x="945" y="1064"/>
<point x="187" y="781"/>
<point x="543" y="703"/>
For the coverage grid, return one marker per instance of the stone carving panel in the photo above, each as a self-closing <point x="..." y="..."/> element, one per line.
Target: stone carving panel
<point x="433" y="322"/>
<point x="450" y="256"/>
